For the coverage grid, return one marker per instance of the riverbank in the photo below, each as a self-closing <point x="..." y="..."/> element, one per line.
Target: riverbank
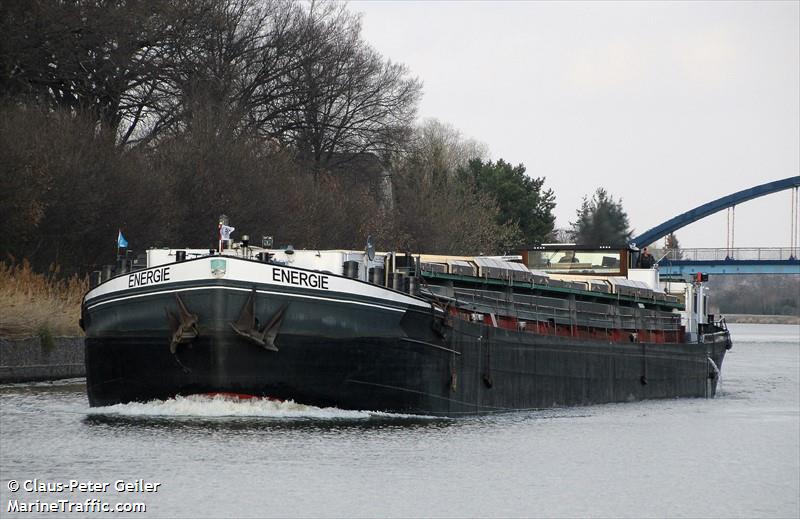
<point x="762" y="319"/>
<point x="32" y="359"/>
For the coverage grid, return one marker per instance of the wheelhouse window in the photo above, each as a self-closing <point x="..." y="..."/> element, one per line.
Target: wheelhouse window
<point x="575" y="261"/>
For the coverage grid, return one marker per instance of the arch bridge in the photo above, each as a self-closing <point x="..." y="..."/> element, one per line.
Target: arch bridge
<point x="729" y="260"/>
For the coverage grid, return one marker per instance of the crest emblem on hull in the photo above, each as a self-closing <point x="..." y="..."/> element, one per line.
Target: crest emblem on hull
<point x="218" y="267"/>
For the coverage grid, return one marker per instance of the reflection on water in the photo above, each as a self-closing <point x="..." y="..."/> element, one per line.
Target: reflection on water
<point x="263" y="424"/>
<point x="734" y="456"/>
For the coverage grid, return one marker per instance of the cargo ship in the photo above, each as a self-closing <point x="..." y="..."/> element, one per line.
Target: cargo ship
<point x="437" y="335"/>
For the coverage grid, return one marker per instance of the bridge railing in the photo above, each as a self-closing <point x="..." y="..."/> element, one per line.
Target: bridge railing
<point x="754" y="253"/>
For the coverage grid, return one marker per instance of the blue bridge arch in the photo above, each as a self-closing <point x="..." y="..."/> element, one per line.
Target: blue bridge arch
<point x="700" y="212"/>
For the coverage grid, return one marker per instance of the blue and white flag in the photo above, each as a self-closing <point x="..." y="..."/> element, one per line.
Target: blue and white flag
<point x="225" y="232"/>
<point x="121" y="241"/>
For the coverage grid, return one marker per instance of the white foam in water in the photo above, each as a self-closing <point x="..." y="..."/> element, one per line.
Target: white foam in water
<point x="218" y="406"/>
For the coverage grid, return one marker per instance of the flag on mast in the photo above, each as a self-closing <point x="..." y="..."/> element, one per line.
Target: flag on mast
<point x="122" y="243"/>
<point x="225" y="232"/>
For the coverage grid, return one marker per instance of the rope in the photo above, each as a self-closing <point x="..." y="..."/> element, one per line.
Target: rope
<point x="728" y="232"/>
<point x="794" y="241"/>
<point x="731" y="220"/>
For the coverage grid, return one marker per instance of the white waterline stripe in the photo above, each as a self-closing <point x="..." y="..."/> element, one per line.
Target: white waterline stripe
<point x="136" y="296"/>
<point x="346" y="301"/>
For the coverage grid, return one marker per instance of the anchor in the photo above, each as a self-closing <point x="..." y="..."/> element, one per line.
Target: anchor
<point x="441" y="324"/>
<point x="247" y="325"/>
<point x="183" y="328"/>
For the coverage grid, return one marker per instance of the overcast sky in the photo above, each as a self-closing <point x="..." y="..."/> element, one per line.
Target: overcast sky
<point x="666" y="105"/>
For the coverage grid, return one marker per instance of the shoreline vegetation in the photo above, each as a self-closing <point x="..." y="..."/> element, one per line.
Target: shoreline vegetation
<point x="761" y="319"/>
<point x="36" y="304"/>
<point x="47" y="306"/>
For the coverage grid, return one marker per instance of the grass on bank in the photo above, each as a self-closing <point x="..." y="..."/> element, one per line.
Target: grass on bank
<point x="34" y="304"/>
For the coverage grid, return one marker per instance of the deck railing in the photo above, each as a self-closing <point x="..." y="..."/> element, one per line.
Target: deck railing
<point x="739" y="254"/>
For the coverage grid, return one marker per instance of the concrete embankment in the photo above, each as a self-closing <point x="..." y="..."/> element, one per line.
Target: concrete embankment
<point x="762" y="319"/>
<point x="41" y="358"/>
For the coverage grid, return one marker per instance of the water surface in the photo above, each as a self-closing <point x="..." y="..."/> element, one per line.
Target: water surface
<point x="734" y="456"/>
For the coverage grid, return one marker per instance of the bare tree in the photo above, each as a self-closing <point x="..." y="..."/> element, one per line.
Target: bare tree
<point x="437" y="209"/>
<point x="234" y="74"/>
<point x="351" y="100"/>
<point x="60" y="199"/>
<point x="440" y="214"/>
<point x="99" y="58"/>
<point x="437" y="148"/>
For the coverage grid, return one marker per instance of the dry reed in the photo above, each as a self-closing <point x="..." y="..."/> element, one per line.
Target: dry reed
<point x="39" y="304"/>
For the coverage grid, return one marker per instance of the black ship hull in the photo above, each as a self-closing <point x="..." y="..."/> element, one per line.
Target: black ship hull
<point x="353" y="352"/>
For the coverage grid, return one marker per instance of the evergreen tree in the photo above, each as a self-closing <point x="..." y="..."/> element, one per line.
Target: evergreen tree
<point x="601" y="221"/>
<point x="521" y="199"/>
